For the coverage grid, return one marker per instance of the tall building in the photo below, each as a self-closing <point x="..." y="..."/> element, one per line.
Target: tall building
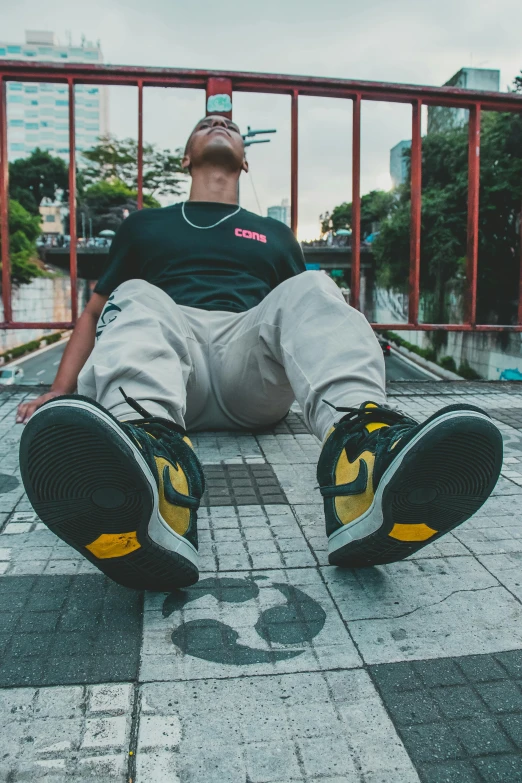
<point x="280" y="212"/>
<point x="441" y="118"/>
<point x="38" y="114"/>
<point x="398" y="163"/>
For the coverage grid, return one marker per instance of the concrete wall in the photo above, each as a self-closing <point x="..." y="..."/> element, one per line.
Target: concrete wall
<point x="489" y="354"/>
<point x="44" y="299"/>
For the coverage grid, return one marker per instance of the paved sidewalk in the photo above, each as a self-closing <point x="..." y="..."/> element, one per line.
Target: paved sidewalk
<point x="275" y="667"/>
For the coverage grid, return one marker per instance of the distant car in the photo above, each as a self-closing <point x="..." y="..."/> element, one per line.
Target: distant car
<point x="9" y="376"/>
<point x="385" y="345"/>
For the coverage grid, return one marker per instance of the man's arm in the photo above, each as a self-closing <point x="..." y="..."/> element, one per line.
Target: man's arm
<point x="74" y="357"/>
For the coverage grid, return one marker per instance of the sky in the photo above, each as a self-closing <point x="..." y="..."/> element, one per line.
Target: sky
<point x="410" y="41"/>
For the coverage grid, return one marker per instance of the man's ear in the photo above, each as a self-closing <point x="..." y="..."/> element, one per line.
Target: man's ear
<point x="185" y="162"/>
<point x="244" y="165"/>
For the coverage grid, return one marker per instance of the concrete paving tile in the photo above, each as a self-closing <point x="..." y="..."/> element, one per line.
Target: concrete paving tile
<point x="298" y="482"/>
<point x="263" y="721"/>
<point x="507" y="568"/>
<point x="426" y="609"/>
<point x="158" y="731"/>
<point x="265" y="622"/>
<point x="266" y="643"/>
<point x="156" y="766"/>
<point x="46" y="736"/>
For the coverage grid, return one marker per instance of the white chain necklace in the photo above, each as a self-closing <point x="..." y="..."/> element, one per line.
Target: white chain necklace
<point x="205" y="228"/>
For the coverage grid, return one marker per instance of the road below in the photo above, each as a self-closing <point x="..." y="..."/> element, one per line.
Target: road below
<point x="399" y="370"/>
<point x="41" y="369"/>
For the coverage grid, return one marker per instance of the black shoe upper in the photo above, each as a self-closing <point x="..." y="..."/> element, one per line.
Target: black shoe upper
<point x="351" y="434"/>
<point x="162" y="438"/>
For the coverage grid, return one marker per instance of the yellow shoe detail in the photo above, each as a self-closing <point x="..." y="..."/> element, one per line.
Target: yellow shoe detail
<point x="332" y="429"/>
<point x="419" y="532"/>
<point x="176" y="517"/>
<point x="113" y="545"/>
<point x="375" y="425"/>
<point x="350" y="507"/>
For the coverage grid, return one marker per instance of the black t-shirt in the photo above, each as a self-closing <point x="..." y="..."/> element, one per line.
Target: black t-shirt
<point x="230" y="267"/>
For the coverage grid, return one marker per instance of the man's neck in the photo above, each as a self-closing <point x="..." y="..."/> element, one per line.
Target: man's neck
<point x="213" y="184"/>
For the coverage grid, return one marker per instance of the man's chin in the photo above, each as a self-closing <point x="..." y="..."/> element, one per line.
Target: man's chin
<point x="220" y="153"/>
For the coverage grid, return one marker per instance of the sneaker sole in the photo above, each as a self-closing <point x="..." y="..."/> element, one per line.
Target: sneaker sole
<point x="85" y="478"/>
<point x="438" y="481"/>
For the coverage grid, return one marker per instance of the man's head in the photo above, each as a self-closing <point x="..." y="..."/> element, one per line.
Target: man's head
<point x="215" y="141"/>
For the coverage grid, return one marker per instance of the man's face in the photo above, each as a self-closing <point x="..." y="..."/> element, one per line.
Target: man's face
<point x="216" y="140"/>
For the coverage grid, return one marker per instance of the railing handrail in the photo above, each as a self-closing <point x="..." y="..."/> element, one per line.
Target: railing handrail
<point x="316" y="86"/>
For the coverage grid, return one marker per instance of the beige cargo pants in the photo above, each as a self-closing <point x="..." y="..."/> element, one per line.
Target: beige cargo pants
<point x="214" y="370"/>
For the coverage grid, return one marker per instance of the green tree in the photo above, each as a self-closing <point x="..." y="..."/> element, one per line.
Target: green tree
<point x="24" y="229"/>
<point x="375" y="207"/>
<point x="105" y="203"/>
<point x="36" y="177"/>
<point x="116" y="159"/>
<point x="444" y="218"/>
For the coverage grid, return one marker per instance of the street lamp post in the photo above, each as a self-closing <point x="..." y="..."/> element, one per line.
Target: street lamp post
<point x="248" y="139"/>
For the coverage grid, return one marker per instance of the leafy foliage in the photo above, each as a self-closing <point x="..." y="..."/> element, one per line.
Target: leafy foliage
<point x="24" y="229"/>
<point x="444" y="217"/>
<point x="116" y="159"/>
<point x="375" y="207"/>
<point x="105" y="203"/>
<point x="36" y="177"/>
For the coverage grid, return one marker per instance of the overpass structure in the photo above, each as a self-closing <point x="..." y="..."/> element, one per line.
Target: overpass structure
<point x="219" y="87"/>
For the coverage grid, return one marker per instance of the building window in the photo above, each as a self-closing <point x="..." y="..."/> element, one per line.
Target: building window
<point x="31" y="126"/>
<point x="29" y="54"/>
<point x="63" y="54"/>
<point x="16" y="99"/>
<point x="16" y="147"/>
<point x="14" y="50"/>
<point x="2" y="51"/>
<point x="15" y="86"/>
<point x="31" y="88"/>
<point x="16" y="123"/>
<point x="49" y="219"/>
<point x="33" y="103"/>
<point x="62" y="103"/>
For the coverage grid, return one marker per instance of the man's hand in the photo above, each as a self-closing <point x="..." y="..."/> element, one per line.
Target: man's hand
<point x="26" y="409"/>
<point x="76" y="353"/>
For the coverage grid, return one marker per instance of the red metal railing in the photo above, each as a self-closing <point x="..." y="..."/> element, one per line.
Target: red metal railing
<point x="213" y="83"/>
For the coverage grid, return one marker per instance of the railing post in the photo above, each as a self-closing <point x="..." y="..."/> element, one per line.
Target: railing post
<point x="473" y="213"/>
<point x="219" y="96"/>
<point x="140" y="143"/>
<point x="355" y="277"/>
<point x="73" y="266"/>
<point x="519" y="314"/>
<point x="415" y="224"/>
<point x="4" y="205"/>
<point x="294" y="162"/>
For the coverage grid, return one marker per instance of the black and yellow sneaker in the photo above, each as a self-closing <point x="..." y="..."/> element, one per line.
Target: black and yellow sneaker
<point x="125" y="495"/>
<point x="391" y="485"/>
